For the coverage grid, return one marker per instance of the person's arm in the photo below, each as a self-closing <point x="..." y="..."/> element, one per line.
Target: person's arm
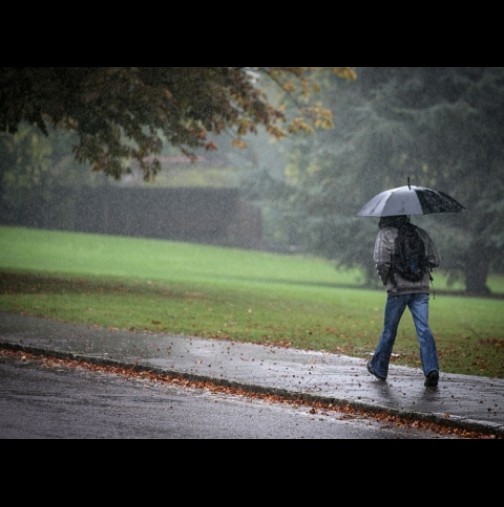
<point x="383" y="254"/>
<point x="383" y="271"/>
<point x="431" y="252"/>
<point x="433" y="257"/>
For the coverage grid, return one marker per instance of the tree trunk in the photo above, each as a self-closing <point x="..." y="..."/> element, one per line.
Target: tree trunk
<point x="477" y="267"/>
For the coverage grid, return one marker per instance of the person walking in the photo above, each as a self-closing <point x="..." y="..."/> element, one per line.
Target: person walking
<point x="402" y="292"/>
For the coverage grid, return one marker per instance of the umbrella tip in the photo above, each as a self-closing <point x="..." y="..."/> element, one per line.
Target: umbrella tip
<point x="409" y="183"/>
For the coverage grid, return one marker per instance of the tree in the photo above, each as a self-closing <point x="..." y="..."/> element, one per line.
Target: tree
<point x="35" y="170"/>
<point x="454" y="116"/>
<point x="440" y="126"/>
<point x="122" y="114"/>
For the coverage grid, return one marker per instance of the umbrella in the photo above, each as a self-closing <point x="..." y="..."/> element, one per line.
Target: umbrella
<point x="410" y="200"/>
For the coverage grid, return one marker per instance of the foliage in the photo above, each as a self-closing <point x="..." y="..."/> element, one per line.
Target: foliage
<point x="120" y="114"/>
<point x="439" y="126"/>
<point x="29" y="160"/>
<point x="33" y="171"/>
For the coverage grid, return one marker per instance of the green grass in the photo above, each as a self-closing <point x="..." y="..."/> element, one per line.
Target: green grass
<point x="197" y="290"/>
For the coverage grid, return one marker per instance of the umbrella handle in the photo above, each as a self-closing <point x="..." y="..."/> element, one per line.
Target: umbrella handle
<point x="409" y="182"/>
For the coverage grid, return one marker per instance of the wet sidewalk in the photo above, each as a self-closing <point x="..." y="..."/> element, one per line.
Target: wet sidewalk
<point x="469" y="402"/>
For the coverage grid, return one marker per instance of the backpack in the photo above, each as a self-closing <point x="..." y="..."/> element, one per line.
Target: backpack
<point x="409" y="259"/>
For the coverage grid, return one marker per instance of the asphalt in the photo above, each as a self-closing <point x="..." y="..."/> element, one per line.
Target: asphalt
<point x="468" y="402"/>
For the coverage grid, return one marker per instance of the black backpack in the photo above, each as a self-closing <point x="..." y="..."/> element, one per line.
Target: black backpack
<point x="409" y="259"/>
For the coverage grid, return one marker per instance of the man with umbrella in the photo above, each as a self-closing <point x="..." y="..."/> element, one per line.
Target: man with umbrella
<point x="403" y="290"/>
<point x="404" y="293"/>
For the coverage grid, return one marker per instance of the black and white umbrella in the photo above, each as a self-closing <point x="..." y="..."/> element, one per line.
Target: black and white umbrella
<point x="410" y="200"/>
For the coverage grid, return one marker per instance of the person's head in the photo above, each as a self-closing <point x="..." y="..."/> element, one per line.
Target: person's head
<point x="393" y="221"/>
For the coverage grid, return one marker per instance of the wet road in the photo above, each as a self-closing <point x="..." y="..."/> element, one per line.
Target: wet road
<point x="61" y="403"/>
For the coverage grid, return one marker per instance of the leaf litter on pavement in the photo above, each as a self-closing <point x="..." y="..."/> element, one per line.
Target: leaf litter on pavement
<point x="317" y="407"/>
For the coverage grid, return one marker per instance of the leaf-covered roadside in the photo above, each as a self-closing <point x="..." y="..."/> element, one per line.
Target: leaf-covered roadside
<point x="314" y="407"/>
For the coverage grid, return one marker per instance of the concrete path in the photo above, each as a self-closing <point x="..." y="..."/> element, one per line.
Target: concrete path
<point x="468" y="402"/>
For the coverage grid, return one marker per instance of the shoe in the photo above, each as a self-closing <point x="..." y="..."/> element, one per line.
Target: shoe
<point x="370" y="370"/>
<point x="432" y="379"/>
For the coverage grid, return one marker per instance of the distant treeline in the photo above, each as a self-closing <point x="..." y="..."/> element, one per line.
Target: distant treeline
<point x="204" y="215"/>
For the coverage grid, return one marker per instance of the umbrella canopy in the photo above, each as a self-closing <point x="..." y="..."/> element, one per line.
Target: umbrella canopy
<point x="409" y="200"/>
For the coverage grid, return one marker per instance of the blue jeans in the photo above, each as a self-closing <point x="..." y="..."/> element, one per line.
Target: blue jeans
<point x="418" y="305"/>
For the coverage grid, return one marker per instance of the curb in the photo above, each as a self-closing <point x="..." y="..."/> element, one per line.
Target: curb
<point x="485" y="428"/>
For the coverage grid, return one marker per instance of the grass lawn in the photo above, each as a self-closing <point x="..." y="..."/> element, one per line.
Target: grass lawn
<point x="224" y="293"/>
